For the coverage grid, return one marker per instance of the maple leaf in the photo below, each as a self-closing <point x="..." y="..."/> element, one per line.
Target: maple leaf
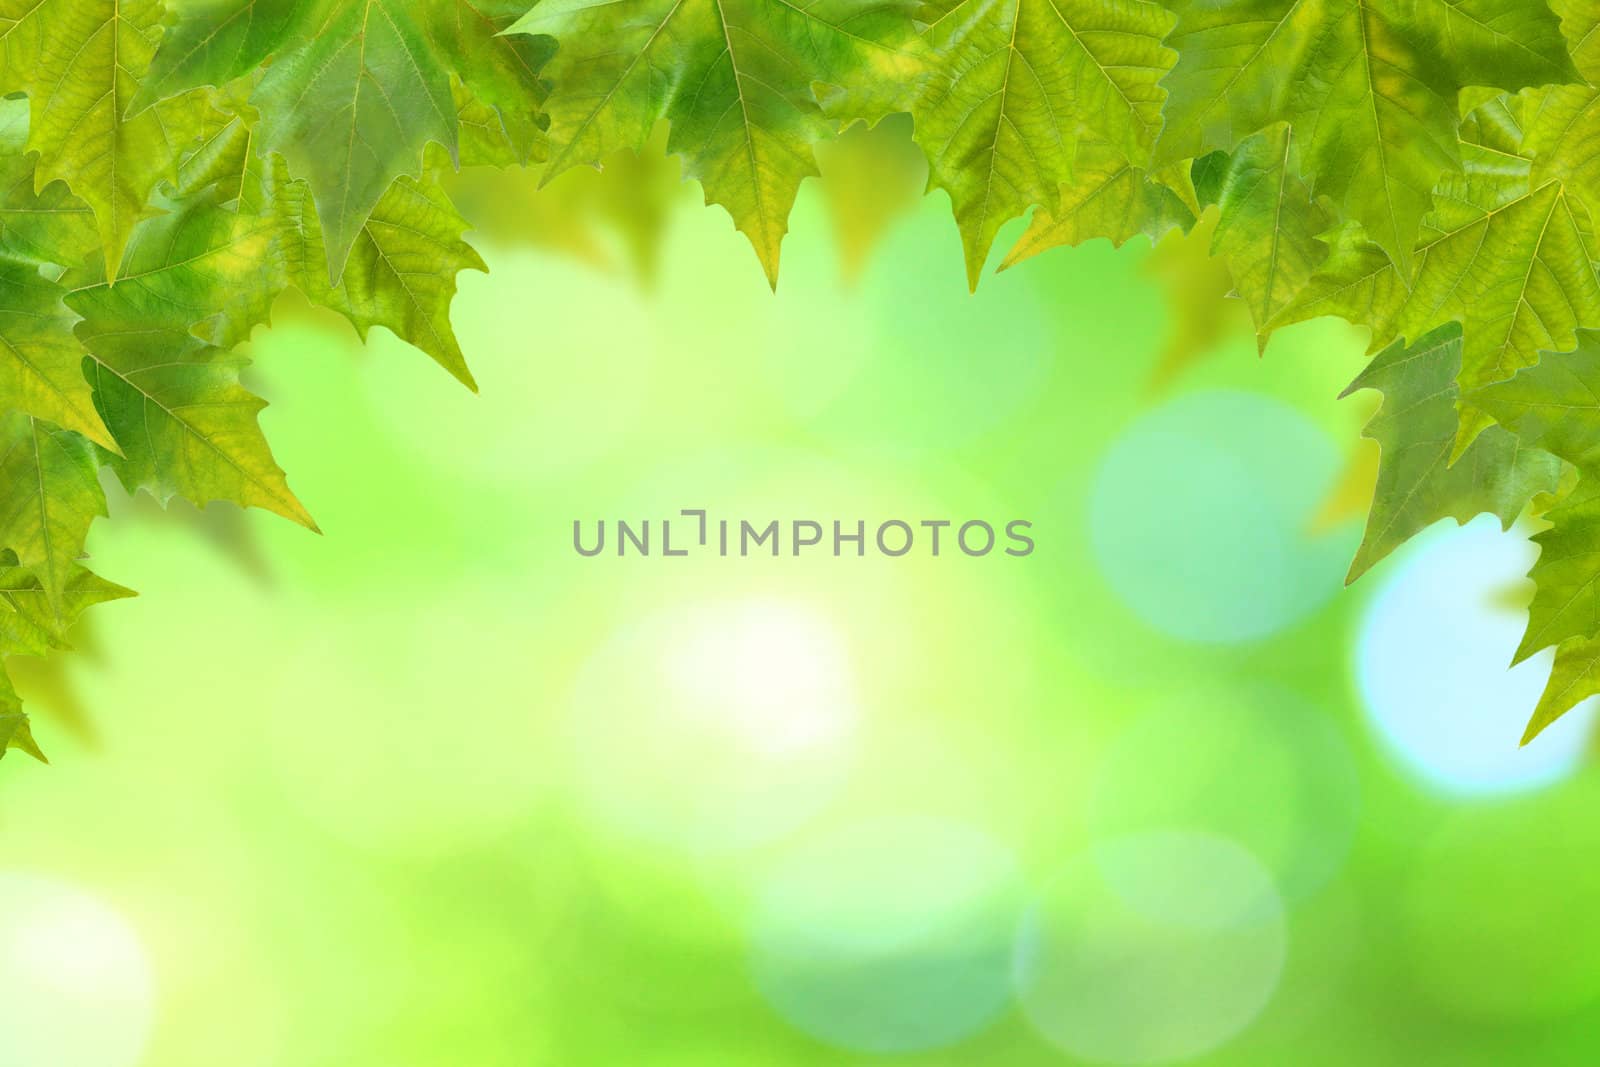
<point x="49" y="495"/>
<point x="41" y="227"/>
<point x="1561" y="123"/>
<point x="1416" y="430"/>
<point x="1515" y="270"/>
<point x="216" y="41"/>
<point x="174" y="404"/>
<point x="1371" y="88"/>
<point x="736" y="80"/>
<point x="216" y="271"/>
<point x="350" y="107"/>
<point x="14" y="728"/>
<point x="1018" y="84"/>
<point x="402" y="269"/>
<point x="201" y="269"/>
<point x="1108" y="197"/>
<point x="34" y="623"/>
<point x="499" y="75"/>
<point x="1554" y="406"/>
<point x="80" y="63"/>
<point x="1425" y="168"/>
<point x="1267" y="225"/>
<point x="1574" y="678"/>
<point x="39" y="359"/>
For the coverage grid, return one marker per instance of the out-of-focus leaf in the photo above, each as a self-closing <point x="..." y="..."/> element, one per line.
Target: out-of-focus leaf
<point x="586" y="212"/>
<point x="871" y="176"/>
<point x="1196" y="285"/>
<point x="1351" y="495"/>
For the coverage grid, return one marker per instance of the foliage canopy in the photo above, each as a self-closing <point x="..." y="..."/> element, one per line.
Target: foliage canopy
<point x="1426" y="169"/>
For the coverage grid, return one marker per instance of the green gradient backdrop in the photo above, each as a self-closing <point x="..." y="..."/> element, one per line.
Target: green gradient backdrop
<point x="433" y="790"/>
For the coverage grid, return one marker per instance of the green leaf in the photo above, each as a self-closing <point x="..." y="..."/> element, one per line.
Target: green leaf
<point x="14" y="731"/>
<point x="40" y="359"/>
<point x="1019" y="83"/>
<point x="1416" y="430"/>
<point x="1108" y="197"/>
<point x="1566" y="576"/>
<point x="1268" y="226"/>
<point x="175" y="406"/>
<point x="500" y="73"/>
<point x="1574" y="678"/>
<point x="1371" y="89"/>
<point x="216" y="41"/>
<point x="34" y="624"/>
<point x="350" y="107"/>
<point x="402" y="269"/>
<point x="1517" y="275"/>
<point x="49" y="496"/>
<point x="81" y="63"/>
<point x="1562" y="122"/>
<point x="735" y="78"/>
<point x="1553" y="405"/>
<point x="43" y="227"/>
<point x="201" y="269"/>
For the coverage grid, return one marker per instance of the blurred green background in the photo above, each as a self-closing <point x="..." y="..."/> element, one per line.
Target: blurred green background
<point x="434" y="790"/>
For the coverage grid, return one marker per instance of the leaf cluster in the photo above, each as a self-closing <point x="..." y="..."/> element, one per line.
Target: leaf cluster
<point x="1428" y="169"/>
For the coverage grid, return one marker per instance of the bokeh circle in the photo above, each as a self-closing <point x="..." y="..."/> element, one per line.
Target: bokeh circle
<point x="1256" y="764"/>
<point x="76" y="984"/>
<point x="716" y="725"/>
<point x="1432" y="662"/>
<point x="891" y="936"/>
<point x="1151" y="948"/>
<point x="1200" y="517"/>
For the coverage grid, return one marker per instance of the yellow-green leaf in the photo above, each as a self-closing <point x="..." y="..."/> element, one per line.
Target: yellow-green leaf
<point x="81" y="62"/>
<point x="40" y="359"/>
<point x="1019" y="83"/>
<point x="175" y="406"/>
<point x="1108" y="197"/>
<point x="1371" y="88"/>
<point x="735" y="79"/>
<point x="49" y="496"/>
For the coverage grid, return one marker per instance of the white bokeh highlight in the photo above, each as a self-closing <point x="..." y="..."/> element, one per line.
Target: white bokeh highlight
<point x="715" y="726"/>
<point x="1432" y="667"/>
<point x="76" y="983"/>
